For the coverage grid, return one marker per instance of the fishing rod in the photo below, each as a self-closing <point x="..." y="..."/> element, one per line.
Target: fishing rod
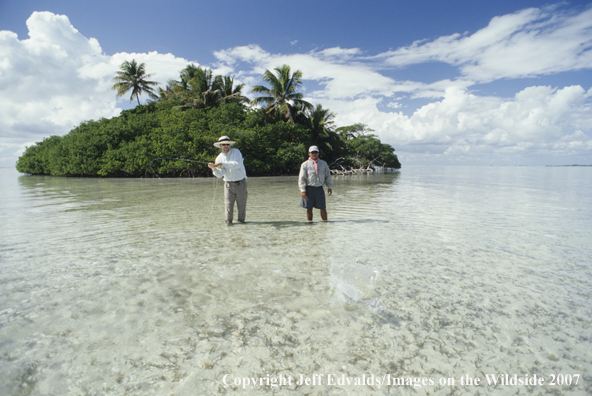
<point x="214" y="185"/>
<point x="174" y="159"/>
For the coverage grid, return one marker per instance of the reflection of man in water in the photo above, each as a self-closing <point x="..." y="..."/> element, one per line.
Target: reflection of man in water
<point x="314" y="172"/>
<point x="229" y="164"/>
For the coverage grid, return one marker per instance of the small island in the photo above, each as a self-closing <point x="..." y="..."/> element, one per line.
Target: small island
<point x="173" y="134"/>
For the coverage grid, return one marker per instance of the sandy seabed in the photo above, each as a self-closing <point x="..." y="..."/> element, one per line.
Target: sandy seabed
<point x="137" y="287"/>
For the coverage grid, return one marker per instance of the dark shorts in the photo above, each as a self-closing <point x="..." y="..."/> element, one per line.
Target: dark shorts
<point x="315" y="198"/>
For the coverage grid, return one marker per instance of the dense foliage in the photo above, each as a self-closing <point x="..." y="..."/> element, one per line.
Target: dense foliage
<point x="185" y="122"/>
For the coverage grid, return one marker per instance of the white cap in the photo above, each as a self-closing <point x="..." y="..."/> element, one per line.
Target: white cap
<point x="313" y="148"/>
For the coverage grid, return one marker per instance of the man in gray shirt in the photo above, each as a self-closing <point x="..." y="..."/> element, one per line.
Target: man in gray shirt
<point x="314" y="173"/>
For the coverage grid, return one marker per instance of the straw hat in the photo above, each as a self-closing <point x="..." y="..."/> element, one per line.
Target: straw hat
<point x="225" y="140"/>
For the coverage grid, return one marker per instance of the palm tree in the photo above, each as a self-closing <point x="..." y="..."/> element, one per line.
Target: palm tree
<point x="321" y="122"/>
<point x="202" y="86"/>
<point x="170" y="92"/>
<point x="190" y="71"/>
<point x="283" y="95"/>
<point x="133" y="77"/>
<point x="197" y="87"/>
<point x="228" y="92"/>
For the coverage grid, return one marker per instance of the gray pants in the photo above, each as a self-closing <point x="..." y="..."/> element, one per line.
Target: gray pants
<point x="235" y="191"/>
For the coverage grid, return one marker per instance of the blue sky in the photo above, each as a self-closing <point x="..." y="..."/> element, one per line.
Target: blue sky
<point x="444" y="82"/>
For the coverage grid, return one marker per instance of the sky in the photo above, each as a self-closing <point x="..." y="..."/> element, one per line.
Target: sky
<point x="458" y="82"/>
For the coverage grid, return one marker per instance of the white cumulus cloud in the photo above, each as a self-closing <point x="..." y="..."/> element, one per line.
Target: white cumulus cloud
<point x="57" y="78"/>
<point x="527" y="43"/>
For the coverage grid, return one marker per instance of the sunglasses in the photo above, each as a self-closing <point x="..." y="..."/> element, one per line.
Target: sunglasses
<point x="225" y="145"/>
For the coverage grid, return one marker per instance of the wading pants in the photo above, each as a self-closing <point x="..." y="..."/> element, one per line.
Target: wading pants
<point x="235" y="191"/>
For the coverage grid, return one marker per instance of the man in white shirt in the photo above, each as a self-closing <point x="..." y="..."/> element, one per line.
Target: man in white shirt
<point x="229" y="165"/>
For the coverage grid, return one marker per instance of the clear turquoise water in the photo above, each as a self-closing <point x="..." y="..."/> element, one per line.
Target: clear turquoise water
<point x="137" y="287"/>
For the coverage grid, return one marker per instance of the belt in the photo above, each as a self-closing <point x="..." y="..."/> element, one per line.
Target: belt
<point x="238" y="181"/>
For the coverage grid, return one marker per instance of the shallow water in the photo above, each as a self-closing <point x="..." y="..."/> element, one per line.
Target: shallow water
<point x="137" y="287"/>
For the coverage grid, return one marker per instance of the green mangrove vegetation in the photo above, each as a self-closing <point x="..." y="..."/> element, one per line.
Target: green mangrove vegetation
<point x="190" y="114"/>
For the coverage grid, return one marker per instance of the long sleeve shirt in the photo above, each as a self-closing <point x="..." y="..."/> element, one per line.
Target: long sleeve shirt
<point x="232" y="168"/>
<point x="308" y="176"/>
